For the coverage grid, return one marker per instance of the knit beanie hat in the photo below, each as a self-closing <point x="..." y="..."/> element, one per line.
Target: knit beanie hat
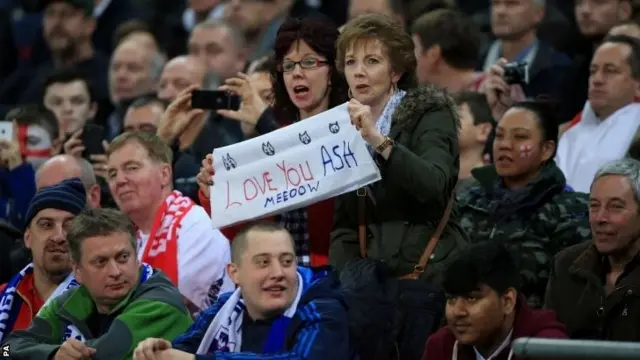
<point x="69" y="195"/>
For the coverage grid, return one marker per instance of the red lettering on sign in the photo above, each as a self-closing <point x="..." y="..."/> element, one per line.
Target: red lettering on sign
<point x="292" y="176"/>
<point x="306" y="177"/>
<point x="266" y="176"/>
<point x="229" y="202"/>
<point x="248" y="185"/>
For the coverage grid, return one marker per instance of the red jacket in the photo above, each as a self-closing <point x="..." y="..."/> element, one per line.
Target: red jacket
<point x="31" y="302"/>
<point x="528" y="323"/>
<point x="320" y="223"/>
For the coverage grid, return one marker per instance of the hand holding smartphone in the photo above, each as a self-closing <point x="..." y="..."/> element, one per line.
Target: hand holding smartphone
<point x="6" y="130"/>
<point x="92" y="136"/>
<point x="214" y="100"/>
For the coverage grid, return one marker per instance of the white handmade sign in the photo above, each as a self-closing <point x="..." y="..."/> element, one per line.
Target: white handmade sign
<point x="301" y="164"/>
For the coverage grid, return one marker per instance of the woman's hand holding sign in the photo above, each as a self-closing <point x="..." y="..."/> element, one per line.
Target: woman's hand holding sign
<point x="364" y="122"/>
<point x="205" y="177"/>
<point x="362" y="119"/>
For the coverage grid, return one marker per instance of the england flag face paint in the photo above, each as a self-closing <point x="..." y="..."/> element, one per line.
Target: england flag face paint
<point x="35" y="144"/>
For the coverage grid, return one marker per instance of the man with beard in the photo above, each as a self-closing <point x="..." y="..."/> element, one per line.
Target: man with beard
<point x="49" y="214"/>
<point x="68" y="26"/>
<point x="119" y="301"/>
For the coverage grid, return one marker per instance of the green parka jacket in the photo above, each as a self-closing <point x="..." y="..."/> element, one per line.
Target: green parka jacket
<point x="418" y="179"/>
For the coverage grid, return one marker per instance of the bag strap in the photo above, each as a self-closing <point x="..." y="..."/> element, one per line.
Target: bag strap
<point x="431" y="245"/>
<point x="362" y="220"/>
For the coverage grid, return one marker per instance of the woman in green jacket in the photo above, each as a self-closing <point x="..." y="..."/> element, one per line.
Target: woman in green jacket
<point x="413" y="135"/>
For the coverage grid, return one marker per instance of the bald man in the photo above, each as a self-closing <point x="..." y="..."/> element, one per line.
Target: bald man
<point x="63" y="167"/>
<point x="180" y="73"/>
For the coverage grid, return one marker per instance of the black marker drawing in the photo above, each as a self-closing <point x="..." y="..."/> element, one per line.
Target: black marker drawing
<point x="304" y="138"/>
<point x="229" y="162"/>
<point x="268" y="149"/>
<point x="334" y="127"/>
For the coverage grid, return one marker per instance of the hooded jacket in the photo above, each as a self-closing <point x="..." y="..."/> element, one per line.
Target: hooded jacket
<point x="407" y="204"/>
<point x="153" y="308"/>
<point x="536" y="222"/>
<point x="317" y="331"/>
<point x="528" y="323"/>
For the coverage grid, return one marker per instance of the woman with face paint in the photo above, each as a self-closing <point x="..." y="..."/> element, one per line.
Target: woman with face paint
<point x="523" y="199"/>
<point x="305" y="83"/>
<point x="34" y="140"/>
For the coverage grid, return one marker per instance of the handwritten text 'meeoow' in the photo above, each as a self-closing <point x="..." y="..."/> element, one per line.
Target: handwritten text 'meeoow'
<point x="295" y="178"/>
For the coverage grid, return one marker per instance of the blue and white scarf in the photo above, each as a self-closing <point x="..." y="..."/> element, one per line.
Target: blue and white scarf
<point x="10" y="304"/>
<point x="225" y="331"/>
<point x="383" y="124"/>
<point x="72" y="331"/>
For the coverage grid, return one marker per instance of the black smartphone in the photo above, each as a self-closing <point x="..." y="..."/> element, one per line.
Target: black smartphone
<point x="92" y="136"/>
<point x="214" y="100"/>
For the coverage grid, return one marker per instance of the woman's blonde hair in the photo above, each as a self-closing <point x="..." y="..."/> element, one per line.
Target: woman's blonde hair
<point x="395" y="40"/>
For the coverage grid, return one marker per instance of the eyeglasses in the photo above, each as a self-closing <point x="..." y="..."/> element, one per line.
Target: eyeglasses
<point x="306" y="63"/>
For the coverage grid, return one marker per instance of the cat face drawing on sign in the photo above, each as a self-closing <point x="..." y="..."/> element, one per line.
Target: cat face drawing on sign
<point x="334" y="127"/>
<point x="228" y="162"/>
<point x="304" y="138"/>
<point x="268" y="149"/>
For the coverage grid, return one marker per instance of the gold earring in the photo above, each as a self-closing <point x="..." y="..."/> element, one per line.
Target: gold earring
<point x="394" y="86"/>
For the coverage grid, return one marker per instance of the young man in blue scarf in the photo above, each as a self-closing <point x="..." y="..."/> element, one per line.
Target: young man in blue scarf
<point x="278" y="309"/>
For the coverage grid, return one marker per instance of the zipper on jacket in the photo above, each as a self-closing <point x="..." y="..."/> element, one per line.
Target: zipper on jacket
<point x="600" y="311"/>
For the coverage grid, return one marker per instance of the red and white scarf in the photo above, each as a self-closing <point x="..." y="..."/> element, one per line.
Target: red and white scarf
<point x="161" y="249"/>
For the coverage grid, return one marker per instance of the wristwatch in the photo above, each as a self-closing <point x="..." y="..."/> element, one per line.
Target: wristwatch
<point x="385" y="144"/>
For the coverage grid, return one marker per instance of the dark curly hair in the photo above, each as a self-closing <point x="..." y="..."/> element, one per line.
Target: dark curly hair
<point x="321" y="36"/>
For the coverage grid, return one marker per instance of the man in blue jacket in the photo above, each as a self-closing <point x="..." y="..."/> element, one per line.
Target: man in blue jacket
<point x="278" y="311"/>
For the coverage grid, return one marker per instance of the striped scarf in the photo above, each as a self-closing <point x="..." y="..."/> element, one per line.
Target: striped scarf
<point x="10" y="304"/>
<point x="72" y="332"/>
<point x="297" y="222"/>
<point x="224" y="333"/>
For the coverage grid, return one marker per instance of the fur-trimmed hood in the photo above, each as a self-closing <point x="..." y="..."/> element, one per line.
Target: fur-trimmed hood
<point x="421" y="100"/>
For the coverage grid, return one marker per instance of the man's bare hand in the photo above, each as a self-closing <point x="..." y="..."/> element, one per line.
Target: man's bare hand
<point x="150" y="349"/>
<point x="74" y="146"/>
<point x="73" y="349"/>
